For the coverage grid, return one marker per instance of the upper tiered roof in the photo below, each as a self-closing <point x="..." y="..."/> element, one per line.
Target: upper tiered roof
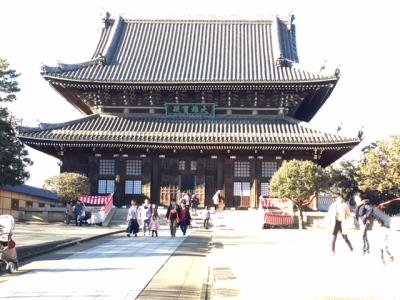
<point x="190" y="52"/>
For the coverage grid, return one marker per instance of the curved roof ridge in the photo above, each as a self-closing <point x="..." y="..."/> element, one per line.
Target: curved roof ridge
<point x="46" y="126"/>
<point x="114" y="58"/>
<point x="63" y="67"/>
<point x="198" y="20"/>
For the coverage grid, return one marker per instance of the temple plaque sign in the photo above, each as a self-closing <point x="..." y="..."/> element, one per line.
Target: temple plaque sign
<point x="190" y="109"/>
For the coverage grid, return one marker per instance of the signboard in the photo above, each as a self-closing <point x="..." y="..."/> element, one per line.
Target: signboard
<point x="190" y="109"/>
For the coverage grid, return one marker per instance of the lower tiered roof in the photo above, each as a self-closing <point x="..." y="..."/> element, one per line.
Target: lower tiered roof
<point x="241" y="132"/>
<point x="160" y="132"/>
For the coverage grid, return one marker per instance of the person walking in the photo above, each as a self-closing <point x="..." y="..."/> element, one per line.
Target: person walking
<point x="364" y="216"/>
<point x="69" y="214"/>
<point x="216" y="198"/>
<point x="383" y="235"/>
<point x="206" y="217"/>
<point x="133" y="218"/>
<point x="147" y="212"/>
<point x="154" y="225"/>
<point x="184" y="218"/>
<point x="339" y="214"/>
<point x="172" y="216"/>
<point x="194" y="203"/>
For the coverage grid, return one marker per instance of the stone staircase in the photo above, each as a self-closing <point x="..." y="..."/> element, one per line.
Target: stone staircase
<point x="118" y="218"/>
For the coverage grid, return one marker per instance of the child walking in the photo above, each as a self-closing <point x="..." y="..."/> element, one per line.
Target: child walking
<point x="154" y="225"/>
<point x="206" y="217"/>
<point x="383" y="232"/>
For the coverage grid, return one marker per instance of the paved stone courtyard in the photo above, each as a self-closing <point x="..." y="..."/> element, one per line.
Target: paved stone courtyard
<point x="250" y="263"/>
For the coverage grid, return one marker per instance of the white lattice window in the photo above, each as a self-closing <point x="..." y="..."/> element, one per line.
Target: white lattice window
<point x="133" y="167"/>
<point x="181" y="165"/>
<point x="264" y="189"/>
<point x="241" y="189"/>
<point x="106" y="186"/>
<point x="193" y="165"/>
<point x="107" y="167"/>
<point x="133" y="187"/>
<point x="242" y="169"/>
<point x="268" y="168"/>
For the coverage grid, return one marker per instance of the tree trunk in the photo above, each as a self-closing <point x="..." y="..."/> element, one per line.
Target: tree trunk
<point x="300" y="217"/>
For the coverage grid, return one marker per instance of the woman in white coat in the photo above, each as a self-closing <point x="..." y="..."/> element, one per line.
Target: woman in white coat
<point x="339" y="214"/>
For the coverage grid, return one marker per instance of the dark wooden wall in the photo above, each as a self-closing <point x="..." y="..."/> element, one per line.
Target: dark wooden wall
<point x="161" y="177"/>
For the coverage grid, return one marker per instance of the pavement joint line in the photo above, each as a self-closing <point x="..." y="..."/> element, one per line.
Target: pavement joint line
<point x="64" y="245"/>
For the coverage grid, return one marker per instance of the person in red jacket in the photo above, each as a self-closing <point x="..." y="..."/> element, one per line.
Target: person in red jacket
<point x="172" y="216"/>
<point x="184" y="217"/>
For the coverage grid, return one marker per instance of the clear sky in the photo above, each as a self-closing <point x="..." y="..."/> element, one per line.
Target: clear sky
<point x="362" y="37"/>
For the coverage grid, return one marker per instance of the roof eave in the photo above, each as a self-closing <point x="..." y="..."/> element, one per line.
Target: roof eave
<point x="66" y="81"/>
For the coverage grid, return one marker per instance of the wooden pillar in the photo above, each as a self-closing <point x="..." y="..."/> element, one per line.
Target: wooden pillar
<point x="146" y="178"/>
<point x="253" y="182"/>
<point x="93" y="174"/>
<point x="155" y="180"/>
<point x="120" y="171"/>
<point x="220" y="174"/>
<point x="228" y="183"/>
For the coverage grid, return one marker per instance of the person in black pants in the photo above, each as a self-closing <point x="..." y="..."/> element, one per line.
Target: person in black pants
<point x="364" y="215"/>
<point x="134" y="218"/>
<point x="172" y="216"/>
<point x="184" y="217"/>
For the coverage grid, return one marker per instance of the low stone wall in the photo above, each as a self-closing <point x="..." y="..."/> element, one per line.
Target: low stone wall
<point x="42" y="214"/>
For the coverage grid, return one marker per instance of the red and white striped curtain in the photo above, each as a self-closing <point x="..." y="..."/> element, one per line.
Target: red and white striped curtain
<point x="107" y="201"/>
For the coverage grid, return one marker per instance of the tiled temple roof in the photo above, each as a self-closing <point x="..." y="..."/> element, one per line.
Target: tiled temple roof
<point x="189" y="51"/>
<point x="168" y="133"/>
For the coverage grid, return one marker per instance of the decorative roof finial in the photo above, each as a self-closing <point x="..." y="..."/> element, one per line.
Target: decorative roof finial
<point x="107" y="20"/>
<point x="337" y="72"/>
<point x="323" y="66"/>
<point x="339" y="127"/>
<point x="361" y="133"/>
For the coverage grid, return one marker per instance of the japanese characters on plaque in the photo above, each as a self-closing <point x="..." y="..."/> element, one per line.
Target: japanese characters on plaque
<point x="190" y="109"/>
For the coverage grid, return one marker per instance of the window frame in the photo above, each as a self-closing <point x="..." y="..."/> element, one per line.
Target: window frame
<point x="105" y="167"/>
<point x="108" y="186"/>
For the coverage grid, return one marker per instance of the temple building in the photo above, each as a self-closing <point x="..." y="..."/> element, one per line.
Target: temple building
<point x="189" y="105"/>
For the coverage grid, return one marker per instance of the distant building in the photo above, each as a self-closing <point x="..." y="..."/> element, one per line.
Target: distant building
<point x="189" y="105"/>
<point x="12" y="198"/>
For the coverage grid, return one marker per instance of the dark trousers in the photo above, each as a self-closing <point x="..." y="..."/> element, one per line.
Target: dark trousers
<point x="205" y="223"/>
<point x="364" y="228"/>
<point x="336" y="230"/>
<point x="133" y="226"/>
<point x="183" y="225"/>
<point x="172" y="227"/>
<point x="154" y="232"/>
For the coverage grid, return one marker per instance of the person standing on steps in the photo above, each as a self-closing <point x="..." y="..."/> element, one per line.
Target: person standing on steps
<point x="339" y="214"/>
<point x="194" y="203"/>
<point x="206" y="217"/>
<point x="216" y="199"/>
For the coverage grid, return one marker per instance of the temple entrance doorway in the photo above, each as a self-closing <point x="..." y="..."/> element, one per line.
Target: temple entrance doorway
<point x="187" y="183"/>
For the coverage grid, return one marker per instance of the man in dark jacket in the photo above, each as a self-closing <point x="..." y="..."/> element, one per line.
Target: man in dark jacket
<point x="172" y="215"/>
<point x="364" y="215"/>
